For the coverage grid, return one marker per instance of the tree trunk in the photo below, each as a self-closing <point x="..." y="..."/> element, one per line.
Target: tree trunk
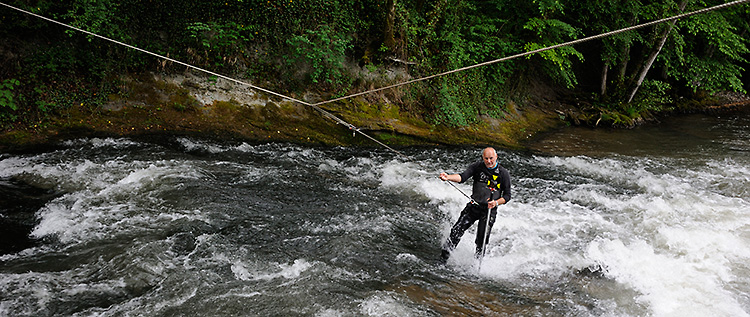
<point x="654" y="53"/>
<point x="622" y="68"/>
<point x="605" y="70"/>
<point x="388" y="39"/>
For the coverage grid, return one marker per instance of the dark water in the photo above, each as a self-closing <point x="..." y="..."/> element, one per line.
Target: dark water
<point x="120" y="227"/>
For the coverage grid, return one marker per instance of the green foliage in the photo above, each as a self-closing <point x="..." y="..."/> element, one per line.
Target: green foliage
<point x="708" y="55"/>
<point x="6" y="94"/>
<point x="710" y="75"/>
<point x="597" y="17"/>
<point x="8" y="104"/>
<point x="703" y="52"/>
<point x="96" y="16"/>
<point x="324" y="51"/>
<point x="221" y="43"/>
<point x="451" y="110"/>
<point x="459" y="35"/>
<point x="218" y="36"/>
<point x="551" y="32"/>
<point x="547" y="7"/>
<point x="297" y="46"/>
<point x="54" y="63"/>
<point x="654" y="95"/>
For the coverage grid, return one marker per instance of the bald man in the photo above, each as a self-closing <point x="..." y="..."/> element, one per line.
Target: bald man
<point x="491" y="188"/>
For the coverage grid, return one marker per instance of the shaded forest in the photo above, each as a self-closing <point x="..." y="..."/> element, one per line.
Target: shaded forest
<point x="337" y="47"/>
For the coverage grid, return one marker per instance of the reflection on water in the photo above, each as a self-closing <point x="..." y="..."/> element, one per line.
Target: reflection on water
<point x="694" y="136"/>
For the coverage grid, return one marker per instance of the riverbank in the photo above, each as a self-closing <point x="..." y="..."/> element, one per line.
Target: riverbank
<point x="185" y="104"/>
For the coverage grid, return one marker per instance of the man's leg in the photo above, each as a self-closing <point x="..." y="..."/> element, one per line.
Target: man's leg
<point x="462" y="224"/>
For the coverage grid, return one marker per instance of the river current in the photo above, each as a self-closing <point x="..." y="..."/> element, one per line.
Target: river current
<point x="653" y="221"/>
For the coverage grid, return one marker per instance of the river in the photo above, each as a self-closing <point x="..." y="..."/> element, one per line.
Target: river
<point x="653" y="221"/>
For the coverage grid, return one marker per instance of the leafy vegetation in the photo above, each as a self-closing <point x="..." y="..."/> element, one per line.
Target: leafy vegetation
<point x="7" y="101"/>
<point x="325" y="45"/>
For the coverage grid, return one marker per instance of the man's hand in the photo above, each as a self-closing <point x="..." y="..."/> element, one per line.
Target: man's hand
<point x="494" y="203"/>
<point x="450" y="177"/>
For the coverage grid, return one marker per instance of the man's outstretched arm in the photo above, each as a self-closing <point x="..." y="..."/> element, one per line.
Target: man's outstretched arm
<point x="450" y="177"/>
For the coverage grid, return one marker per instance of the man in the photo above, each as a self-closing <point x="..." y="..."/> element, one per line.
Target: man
<point x="491" y="188"/>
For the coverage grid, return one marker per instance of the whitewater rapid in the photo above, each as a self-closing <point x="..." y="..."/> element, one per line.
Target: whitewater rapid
<point x="192" y="226"/>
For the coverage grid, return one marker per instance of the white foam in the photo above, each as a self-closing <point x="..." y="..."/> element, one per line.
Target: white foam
<point x="674" y="240"/>
<point x="329" y="312"/>
<point x="13" y="166"/>
<point x="286" y="271"/>
<point x="88" y="213"/>
<point x="243" y="294"/>
<point x="99" y="142"/>
<point x="385" y="304"/>
<point x="659" y="229"/>
<point x="32" y="293"/>
<point x="410" y="177"/>
<point x="194" y="145"/>
<point x="670" y="285"/>
<point x="676" y="236"/>
<point x="407" y="258"/>
<point x="56" y="218"/>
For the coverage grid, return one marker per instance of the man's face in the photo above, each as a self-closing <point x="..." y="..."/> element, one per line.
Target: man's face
<point x="489" y="157"/>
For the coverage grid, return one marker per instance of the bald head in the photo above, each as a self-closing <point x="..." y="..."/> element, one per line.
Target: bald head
<point x="488" y="151"/>
<point x="489" y="157"/>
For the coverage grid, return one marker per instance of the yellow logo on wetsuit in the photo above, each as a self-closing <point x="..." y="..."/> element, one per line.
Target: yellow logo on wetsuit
<point x="493" y="182"/>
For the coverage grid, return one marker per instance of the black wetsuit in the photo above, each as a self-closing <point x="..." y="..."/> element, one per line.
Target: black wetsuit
<point x="489" y="184"/>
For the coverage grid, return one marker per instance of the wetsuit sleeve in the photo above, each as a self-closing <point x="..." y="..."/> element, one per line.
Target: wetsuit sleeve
<point x="469" y="172"/>
<point x="505" y="185"/>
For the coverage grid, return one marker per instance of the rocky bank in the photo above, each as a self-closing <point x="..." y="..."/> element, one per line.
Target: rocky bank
<point x="188" y="104"/>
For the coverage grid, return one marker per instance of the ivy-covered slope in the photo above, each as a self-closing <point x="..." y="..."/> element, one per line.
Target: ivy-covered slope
<point x="320" y="49"/>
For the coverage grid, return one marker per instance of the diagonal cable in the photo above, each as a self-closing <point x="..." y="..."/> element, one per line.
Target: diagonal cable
<point x="270" y="92"/>
<point x="585" y="39"/>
